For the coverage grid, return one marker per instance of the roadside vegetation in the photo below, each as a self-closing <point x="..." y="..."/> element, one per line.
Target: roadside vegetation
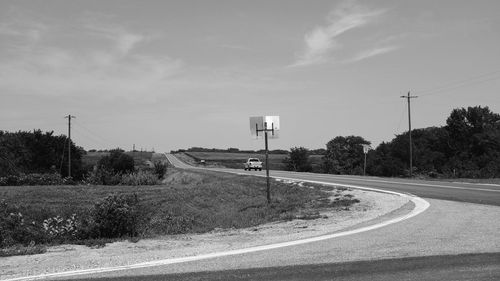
<point x="33" y="217"/>
<point x="468" y="146"/>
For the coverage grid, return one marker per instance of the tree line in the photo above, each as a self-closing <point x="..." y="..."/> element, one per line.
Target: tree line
<point x="467" y="146"/>
<point x="25" y="152"/>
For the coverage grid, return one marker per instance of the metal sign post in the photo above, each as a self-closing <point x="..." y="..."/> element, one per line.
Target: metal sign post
<point x="256" y="129"/>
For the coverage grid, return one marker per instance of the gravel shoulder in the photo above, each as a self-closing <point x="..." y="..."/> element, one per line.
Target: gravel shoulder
<point x="373" y="208"/>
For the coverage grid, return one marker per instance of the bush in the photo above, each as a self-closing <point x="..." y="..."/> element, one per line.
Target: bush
<point x="116" y="216"/>
<point x="14" y="229"/>
<point x="103" y="176"/>
<point x="140" y="178"/>
<point x="160" y="168"/>
<point x="60" y="228"/>
<point x="117" y="162"/>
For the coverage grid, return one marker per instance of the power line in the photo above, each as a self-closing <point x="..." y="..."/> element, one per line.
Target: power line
<point x="490" y="76"/>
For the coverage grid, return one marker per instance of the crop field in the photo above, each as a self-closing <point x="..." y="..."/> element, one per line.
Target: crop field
<point x="236" y="160"/>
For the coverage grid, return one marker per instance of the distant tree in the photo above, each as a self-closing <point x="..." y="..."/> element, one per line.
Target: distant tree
<point x="344" y="155"/>
<point x="117" y="162"/>
<point x="279" y="151"/>
<point x="298" y="160"/>
<point x="319" y="151"/>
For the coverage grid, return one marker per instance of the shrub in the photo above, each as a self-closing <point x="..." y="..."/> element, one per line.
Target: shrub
<point x="14" y="229"/>
<point x="116" y="216"/>
<point x="139" y="178"/>
<point x="103" y="176"/>
<point x="59" y="228"/>
<point x="160" y="168"/>
<point x="117" y="162"/>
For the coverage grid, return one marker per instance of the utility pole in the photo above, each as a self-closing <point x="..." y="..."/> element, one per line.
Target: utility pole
<point x="408" y="97"/>
<point x="69" y="143"/>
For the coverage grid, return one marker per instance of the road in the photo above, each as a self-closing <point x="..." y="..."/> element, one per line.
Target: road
<point x="456" y="238"/>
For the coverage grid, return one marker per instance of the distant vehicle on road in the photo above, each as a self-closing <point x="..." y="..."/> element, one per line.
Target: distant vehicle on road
<point x="253" y="163"/>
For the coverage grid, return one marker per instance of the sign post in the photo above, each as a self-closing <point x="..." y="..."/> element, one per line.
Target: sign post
<point x="265" y="124"/>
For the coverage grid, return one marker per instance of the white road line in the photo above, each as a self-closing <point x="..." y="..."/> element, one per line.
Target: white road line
<point x="420" y="206"/>
<point x="403" y="183"/>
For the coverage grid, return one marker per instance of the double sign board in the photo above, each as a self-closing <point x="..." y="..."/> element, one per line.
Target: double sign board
<point x="261" y="124"/>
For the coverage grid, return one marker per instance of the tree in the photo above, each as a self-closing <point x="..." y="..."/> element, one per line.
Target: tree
<point x="298" y="160"/>
<point x="474" y="142"/>
<point x="38" y="152"/>
<point x="344" y="155"/>
<point x="381" y="162"/>
<point x="117" y="162"/>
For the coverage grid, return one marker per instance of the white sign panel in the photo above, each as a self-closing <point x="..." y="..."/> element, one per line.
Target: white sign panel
<point x="366" y="148"/>
<point x="256" y="126"/>
<point x="260" y="124"/>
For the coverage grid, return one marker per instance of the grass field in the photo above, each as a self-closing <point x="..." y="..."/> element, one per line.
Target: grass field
<point x="236" y="160"/>
<point x="187" y="202"/>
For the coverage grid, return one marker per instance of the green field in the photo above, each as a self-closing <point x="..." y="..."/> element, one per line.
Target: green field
<point x="236" y="160"/>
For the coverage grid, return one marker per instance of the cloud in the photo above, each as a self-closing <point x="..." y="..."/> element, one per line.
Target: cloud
<point x="123" y="40"/>
<point x="25" y="30"/>
<point x="322" y="40"/>
<point x="373" y="52"/>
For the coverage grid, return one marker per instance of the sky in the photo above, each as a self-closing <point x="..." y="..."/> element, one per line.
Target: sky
<point x="167" y="75"/>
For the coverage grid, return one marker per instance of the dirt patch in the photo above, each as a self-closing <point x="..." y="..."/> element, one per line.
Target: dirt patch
<point x="60" y="258"/>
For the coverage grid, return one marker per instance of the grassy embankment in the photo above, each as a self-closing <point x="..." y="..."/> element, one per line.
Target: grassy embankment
<point x="236" y="160"/>
<point x="187" y="202"/>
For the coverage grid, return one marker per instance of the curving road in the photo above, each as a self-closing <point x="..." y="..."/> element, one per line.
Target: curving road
<point x="457" y="238"/>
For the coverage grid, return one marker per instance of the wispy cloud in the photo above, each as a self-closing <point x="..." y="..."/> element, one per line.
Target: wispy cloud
<point x="109" y="65"/>
<point x="123" y="40"/>
<point x="373" y="52"/>
<point x="322" y="40"/>
<point x="28" y="30"/>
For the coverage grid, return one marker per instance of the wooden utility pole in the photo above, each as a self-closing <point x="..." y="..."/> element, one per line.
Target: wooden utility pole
<point x="69" y="143"/>
<point x="408" y="97"/>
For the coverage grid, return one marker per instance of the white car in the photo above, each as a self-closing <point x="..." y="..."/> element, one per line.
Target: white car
<point x="253" y="163"/>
